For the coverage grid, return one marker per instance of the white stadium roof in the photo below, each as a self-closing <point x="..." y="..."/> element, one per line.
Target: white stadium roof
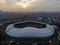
<point x="30" y="31"/>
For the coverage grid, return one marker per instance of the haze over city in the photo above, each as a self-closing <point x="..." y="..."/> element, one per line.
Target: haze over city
<point x="30" y="5"/>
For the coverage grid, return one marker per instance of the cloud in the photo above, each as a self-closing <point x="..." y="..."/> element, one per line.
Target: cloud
<point x="39" y="5"/>
<point x="2" y="1"/>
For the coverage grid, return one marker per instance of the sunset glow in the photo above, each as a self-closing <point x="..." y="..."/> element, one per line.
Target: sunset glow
<point x="30" y="5"/>
<point x="25" y="3"/>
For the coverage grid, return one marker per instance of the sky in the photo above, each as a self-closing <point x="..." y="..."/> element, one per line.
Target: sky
<point x="36" y="6"/>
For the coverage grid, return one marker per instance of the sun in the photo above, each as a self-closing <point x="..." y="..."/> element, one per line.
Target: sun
<point x="24" y="3"/>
